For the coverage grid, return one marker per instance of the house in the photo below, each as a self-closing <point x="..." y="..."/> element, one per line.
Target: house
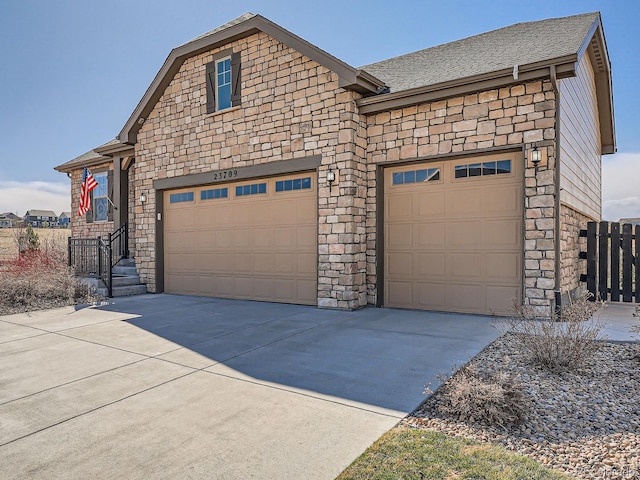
<point x="41" y="218"/>
<point x="632" y="221"/>
<point x="9" y="220"/>
<point x="64" y="220"/>
<point x="456" y="178"/>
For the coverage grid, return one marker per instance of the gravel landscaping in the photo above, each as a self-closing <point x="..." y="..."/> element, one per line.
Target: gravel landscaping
<point x="584" y="423"/>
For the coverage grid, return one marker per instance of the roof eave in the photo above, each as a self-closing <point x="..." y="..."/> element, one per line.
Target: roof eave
<point x="111" y="150"/>
<point x="349" y="76"/>
<point x="73" y="165"/>
<point x="565" y="67"/>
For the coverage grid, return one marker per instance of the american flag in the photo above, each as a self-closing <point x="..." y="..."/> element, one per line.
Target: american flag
<point x="88" y="184"/>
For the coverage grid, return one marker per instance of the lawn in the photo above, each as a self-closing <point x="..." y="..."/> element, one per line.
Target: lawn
<point x="416" y="454"/>
<point x="47" y="236"/>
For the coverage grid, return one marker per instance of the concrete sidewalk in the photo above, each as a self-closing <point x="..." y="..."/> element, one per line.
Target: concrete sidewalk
<point x="162" y="386"/>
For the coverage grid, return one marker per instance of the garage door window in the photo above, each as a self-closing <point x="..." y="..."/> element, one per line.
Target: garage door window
<point x="181" y="197"/>
<point x="253" y="189"/>
<point x="416" y="176"/>
<point x="483" y="169"/>
<point x="294" y="184"/>
<point x="214" y="193"/>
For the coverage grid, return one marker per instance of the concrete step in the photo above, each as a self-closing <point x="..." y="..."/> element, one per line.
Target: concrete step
<point x="127" y="262"/>
<point x="124" y="280"/>
<point x="124" y="291"/>
<point x="123" y="271"/>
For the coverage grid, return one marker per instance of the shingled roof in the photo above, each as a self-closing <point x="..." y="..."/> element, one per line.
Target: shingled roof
<point x="519" y="44"/>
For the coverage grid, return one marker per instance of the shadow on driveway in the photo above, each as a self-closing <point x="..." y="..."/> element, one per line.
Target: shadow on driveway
<point x="378" y="357"/>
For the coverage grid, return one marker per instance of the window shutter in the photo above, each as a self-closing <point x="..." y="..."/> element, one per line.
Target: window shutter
<point x="236" y="93"/>
<point x="211" y="87"/>
<point x="89" y="215"/>
<point x="110" y="195"/>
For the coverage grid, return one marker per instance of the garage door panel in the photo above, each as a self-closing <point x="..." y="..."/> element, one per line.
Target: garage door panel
<point x="466" y="202"/>
<point x="399" y="235"/>
<point x="505" y="233"/>
<point x="307" y="265"/>
<point x="261" y="247"/>
<point x="400" y="264"/>
<point x="400" y="294"/>
<point x="503" y="267"/>
<point x="500" y="299"/>
<point x="455" y="244"/>
<point x="465" y="233"/>
<point x="431" y="235"/>
<point x="430" y="264"/>
<point x="399" y="206"/>
<point x="429" y="296"/>
<point x="465" y="266"/>
<point x="431" y="204"/>
<point x="504" y="200"/>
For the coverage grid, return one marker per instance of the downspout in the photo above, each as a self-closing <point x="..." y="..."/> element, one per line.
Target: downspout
<point x="557" y="259"/>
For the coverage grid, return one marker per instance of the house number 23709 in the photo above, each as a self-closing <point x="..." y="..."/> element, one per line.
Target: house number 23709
<point x="225" y="174"/>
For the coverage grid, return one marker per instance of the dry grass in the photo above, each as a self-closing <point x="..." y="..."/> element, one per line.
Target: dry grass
<point x="9" y="243"/>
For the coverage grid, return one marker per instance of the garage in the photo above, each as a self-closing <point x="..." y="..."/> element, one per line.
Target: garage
<point x="453" y="235"/>
<point x="254" y="239"/>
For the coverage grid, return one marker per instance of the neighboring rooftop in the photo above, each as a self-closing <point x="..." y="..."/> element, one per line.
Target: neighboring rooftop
<point x="41" y="213"/>
<point x="519" y="44"/>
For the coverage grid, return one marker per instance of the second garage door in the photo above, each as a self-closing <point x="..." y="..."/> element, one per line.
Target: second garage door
<point x="453" y="235"/>
<point x="252" y="240"/>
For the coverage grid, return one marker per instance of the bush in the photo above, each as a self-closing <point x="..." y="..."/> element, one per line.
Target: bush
<point x="40" y="278"/>
<point x="561" y="344"/>
<point x="490" y="398"/>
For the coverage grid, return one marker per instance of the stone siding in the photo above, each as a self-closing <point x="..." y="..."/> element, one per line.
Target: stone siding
<point x="79" y="226"/>
<point x="515" y="116"/>
<point x="571" y="266"/>
<point x="291" y="108"/>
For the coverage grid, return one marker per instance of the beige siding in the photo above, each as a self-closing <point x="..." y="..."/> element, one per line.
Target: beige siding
<point x="580" y="167"/>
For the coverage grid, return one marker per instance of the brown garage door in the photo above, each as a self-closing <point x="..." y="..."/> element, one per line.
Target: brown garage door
<point x="253" y="240"/>
<point x="453" y="235"/>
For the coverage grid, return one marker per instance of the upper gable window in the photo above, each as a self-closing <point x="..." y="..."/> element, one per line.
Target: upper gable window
<point x="223" y="81"/>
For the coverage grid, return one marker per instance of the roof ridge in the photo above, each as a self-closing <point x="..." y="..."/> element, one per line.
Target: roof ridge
<point x="483" y="34"/>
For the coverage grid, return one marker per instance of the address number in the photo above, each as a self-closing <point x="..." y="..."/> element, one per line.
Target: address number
<point x="225" y="174"/>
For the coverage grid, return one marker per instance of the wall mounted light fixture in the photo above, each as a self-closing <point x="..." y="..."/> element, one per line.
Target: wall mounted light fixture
<point x="331" y="177"/>
<point x="536" y="157"/>
<point x="143" y="198"/>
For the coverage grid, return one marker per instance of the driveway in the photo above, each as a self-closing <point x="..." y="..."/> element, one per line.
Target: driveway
<point x="164" y="386"/>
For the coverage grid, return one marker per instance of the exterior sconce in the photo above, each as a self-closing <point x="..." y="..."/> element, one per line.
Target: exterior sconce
<point x="536" y="157"/>
<point x="331" y="177"/>
<point x="143" y="198"/>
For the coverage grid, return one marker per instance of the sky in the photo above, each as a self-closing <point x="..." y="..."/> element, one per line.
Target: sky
<point x="72" y="71"/>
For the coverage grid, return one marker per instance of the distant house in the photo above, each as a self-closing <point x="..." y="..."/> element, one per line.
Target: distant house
<point x="64" y="220"/>
<point x="9" y="220"/>
<point x="41" y="218"/>
<point x="632" y="221"/>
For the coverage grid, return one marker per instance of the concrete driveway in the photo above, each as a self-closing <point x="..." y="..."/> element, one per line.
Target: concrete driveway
<point x="163" y="386"/>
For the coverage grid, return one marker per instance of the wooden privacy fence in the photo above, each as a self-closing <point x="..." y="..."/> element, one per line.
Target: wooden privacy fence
<point x="613" y="261"/>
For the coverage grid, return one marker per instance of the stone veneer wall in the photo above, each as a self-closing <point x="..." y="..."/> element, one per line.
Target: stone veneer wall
<point x="571" y="266"/>
<point x="291" y="107"/>
<point x="79" y="226"/>
<point x="514" y="116"/>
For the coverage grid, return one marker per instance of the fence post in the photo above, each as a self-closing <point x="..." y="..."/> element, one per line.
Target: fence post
<point x="69" y="250"/>
<point x="603" y="267"/>
<point x="615" y="261"/>
<point x="627" y="263"/>
<point x="592" y="257"/>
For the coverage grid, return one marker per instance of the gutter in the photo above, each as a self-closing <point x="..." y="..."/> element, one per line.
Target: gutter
<point x="557" y="206"/>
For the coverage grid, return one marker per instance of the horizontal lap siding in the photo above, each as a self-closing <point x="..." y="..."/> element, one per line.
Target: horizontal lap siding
<point x="580" y="167"/>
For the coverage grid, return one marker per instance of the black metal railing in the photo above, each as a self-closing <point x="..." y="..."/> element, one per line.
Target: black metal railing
<point x="96" y="257"/>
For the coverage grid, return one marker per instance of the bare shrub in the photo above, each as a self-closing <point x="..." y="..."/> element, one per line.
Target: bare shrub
<point x="471" y="395"/>
<point x="40" y="278"/>
<point x="560" y="344"/>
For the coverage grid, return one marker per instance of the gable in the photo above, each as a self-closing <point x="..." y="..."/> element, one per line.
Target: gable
<point x="246" y="25"/>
